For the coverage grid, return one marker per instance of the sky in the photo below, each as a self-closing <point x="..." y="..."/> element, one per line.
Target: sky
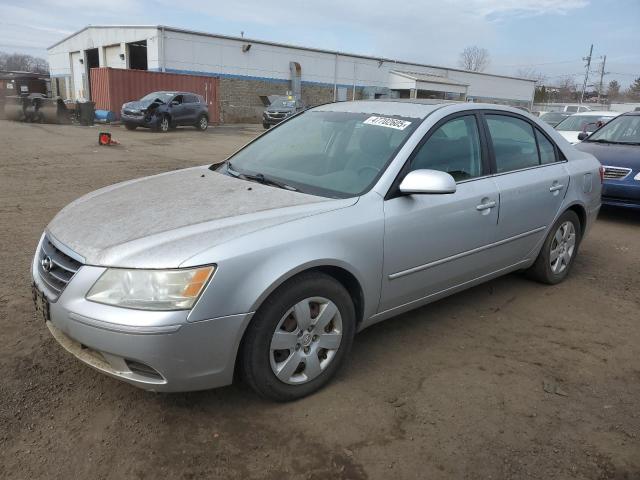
<point x="544" y="36"/>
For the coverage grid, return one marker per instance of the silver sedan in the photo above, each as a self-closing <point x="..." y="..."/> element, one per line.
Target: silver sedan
<point x="345" y="215"/>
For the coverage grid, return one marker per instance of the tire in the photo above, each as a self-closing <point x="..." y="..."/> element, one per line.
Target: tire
<point x="130" y="126"/>
<point x="266" y="126"/>
<point x="559" y="250"/>
<point x="304" y="365"/>
<point x="203" y="123"/>
<point x="164" y="125"/>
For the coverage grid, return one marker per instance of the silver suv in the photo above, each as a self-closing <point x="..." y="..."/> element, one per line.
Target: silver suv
<point x="345" y="215"/>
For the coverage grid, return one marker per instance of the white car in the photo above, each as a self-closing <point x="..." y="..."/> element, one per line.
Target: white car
<point x="587" y="122"/>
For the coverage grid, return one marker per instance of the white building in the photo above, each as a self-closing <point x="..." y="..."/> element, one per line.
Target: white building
<point x="249" y="68"/>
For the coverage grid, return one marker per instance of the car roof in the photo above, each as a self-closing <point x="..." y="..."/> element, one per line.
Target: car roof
<point x="172" y="92"/>
<point x="411" y="108"/>
<point x="597" y="113"/>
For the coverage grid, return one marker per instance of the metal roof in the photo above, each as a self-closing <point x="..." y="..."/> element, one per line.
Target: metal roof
<point x="424" y="77"/>
<point x="286" y="45"/>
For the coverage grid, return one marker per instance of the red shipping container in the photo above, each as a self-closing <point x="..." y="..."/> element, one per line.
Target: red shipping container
<point x="111" y="87"/>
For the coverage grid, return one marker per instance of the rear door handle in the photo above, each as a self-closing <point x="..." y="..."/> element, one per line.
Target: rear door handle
<point x="486" y="205"/>
<point x="555" y="187"/>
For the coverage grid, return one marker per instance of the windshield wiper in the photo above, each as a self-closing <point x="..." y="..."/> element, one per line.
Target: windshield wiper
<point x="602" y="140"/>
<point x="260" y="178"/>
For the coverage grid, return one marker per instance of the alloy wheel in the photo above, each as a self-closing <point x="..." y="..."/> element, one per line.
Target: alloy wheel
<point x="164" y="124"/>
<point x="203" y="123"/>
<point x="305" y="340"/>
<point x="562" y="247"/>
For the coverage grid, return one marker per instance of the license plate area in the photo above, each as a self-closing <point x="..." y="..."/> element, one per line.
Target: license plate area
<point x="40" y="303"/>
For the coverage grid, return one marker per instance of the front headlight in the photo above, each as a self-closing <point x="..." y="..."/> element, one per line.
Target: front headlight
<point x="151" y="289"/>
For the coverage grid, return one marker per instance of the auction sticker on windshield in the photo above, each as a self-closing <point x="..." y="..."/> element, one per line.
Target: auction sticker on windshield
<point x="387" y="122"/>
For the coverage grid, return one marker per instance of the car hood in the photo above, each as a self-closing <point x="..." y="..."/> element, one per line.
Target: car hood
<point x="613" y="155"/>
<point x="137" y="105"/>
<point x="569" y="135"/>
<point x="160" y="221"/>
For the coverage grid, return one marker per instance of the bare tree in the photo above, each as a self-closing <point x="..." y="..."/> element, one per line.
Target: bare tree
<point x="613" y="91"/>
<point x="23" y="63"/>
<point x="474" y="59"/>
<point x="567" y="89"/>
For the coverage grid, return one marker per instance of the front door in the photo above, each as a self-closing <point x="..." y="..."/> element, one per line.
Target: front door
<point x="435" y="242"/>
<point x="177" y="110"/>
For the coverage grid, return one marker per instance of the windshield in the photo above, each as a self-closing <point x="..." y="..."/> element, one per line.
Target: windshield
<point x="283" y="103"/>
<point x="332" y="154"/>
<point x="578" y="123"/>
<point x="624" y="129"/>
<point x="165" y="97"/>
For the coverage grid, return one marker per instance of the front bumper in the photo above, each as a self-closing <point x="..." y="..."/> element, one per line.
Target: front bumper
<point x="157" y="351"/>
<point x="625" y="193"/>
<point x="269" y="120"/>
<point x="139" y="121"/>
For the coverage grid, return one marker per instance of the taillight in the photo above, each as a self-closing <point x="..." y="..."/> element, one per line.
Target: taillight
<point x="601" y="174"/>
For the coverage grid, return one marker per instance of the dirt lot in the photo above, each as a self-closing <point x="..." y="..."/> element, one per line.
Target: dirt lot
<point x="453" y="390"/>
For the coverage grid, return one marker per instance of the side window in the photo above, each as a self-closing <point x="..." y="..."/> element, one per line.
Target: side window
<point x="190" y="99"/>
<point x="178" y="98"/>
<point x="513" y="142"/>
<point x="547" y="152"/>
<point x="453" y="148"/>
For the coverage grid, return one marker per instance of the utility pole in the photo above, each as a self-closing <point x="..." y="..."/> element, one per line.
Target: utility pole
<point x="602" y="74"/>
<point x="586" y="74"/>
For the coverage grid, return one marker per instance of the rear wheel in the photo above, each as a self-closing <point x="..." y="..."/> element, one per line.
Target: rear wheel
<point x="299" y="338"/>
<point x="558" y="251"/>
<point x="202" y="123"/>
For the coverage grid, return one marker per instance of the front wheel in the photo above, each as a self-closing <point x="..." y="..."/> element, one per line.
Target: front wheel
<point x="266" y="126"/>
<point x="559" y="250"/>
<point x="164" y="124"/>
<point x="130" y="126"/>
<point x="299" y="338"/>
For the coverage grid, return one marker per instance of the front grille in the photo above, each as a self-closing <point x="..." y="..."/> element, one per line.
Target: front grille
<point x="616" y="173"/>
<point x="133" y="113"/>
<point x="55" y="267"/>
<point x="277" y="114"/>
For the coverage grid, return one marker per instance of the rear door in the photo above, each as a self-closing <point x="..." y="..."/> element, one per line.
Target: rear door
<point x="435" y="242"/>
<point x="532" y="181"/>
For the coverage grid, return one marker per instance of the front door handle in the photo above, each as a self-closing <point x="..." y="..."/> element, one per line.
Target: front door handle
<point x="486" y="205"/>
<point x="555" y="187"/>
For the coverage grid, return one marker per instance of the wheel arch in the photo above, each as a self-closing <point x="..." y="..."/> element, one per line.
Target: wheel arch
<point x="339" y="273"/>
<point x="581" y="212"/>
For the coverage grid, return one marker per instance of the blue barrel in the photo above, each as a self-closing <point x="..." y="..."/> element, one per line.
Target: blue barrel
<point x="106" y="116"/>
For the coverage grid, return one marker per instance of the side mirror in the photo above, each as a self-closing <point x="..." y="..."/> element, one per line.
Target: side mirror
<point x="582" y="135"/>
<point x="428" y="181"/>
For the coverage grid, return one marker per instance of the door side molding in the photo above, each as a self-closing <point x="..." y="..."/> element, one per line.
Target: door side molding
<point x="420" y="268"/>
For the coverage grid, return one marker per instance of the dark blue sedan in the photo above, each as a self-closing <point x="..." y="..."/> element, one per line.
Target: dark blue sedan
<point x="617" y="147"/>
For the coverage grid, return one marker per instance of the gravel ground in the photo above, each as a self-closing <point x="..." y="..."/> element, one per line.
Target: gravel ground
<point x="508" y="380"/>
